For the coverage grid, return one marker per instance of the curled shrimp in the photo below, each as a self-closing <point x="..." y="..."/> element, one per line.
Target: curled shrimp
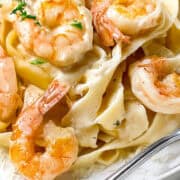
<point x="118" y="20"/>
<point x="62" y="34"/>
<point x="62" y="146"/>
<point x="9" y="99"/>
<point x="155" y="81"/>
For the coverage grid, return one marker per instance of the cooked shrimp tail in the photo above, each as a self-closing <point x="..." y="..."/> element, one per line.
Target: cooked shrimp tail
<point x="105" y="28"/>
<point x="52" y="96"/>
<point x="62" y="147"/>
<point x="117" y="21"/>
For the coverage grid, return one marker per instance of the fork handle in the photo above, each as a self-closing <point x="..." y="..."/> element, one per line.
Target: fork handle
<point x="146" y="154"/>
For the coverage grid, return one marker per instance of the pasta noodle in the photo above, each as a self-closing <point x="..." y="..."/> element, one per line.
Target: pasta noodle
<point x="157" y="48"/>
<point x="5" y="138"/>
<point x="3" y="126"/>
<point x="135" y="112"/>
<point x="173" y="35"/>
<point x="25" y="70"/>
<point x="165" y="24"/>
<point x="157" y="129"/>
<point x="103" y="93"/>
<point x="112" y="106"/>
<point x="109" y="157"/>
<point x="84" y="110"/>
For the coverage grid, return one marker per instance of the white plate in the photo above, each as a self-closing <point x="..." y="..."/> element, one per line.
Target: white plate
<point x="164" y="165"/>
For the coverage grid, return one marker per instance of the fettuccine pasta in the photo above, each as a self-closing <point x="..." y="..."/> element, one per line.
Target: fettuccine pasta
<point x="84" y="84"/>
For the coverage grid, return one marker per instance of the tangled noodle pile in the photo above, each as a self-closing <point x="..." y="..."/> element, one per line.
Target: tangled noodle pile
<point x="85" y="83"/>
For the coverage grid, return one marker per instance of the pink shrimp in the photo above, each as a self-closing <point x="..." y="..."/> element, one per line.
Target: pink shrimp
<point x="9" y="99"/>
<point x="65" y="33"/>
<point x="62" y="146"/>
<point x="117" y="21"/>
<point x="155" y="81"/>
<point x="105" y="28"/>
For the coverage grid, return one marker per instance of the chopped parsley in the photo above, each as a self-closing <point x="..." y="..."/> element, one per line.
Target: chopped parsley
<point x="117" y="123"/>
<point x="38" y="61"/>
<point x="20" y="7"/>
<point x="23" y="13"/>
<point x="77" y="24"/>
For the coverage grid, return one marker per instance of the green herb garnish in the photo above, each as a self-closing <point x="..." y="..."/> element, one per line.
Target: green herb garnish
<point x="20" y="7"/>
<point x="37" y="22"/>
<point x="77" y="24"/>
<point x="38" y="61"/>
<point x="23" y="13"/>
<point x="117" y="123"/>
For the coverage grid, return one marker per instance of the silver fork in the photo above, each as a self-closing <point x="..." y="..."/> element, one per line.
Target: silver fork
<point x="143" y="156"/>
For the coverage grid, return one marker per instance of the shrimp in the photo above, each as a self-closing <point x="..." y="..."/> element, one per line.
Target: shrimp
<point x="9" y="99"/>
<point x="62" y="146"/>
<point x="119" y="20"/>
<point x="155" y="82"/>
<point x="62" y="34"/>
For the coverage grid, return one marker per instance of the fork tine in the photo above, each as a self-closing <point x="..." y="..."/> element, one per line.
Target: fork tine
<point x="146" y="154"/>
